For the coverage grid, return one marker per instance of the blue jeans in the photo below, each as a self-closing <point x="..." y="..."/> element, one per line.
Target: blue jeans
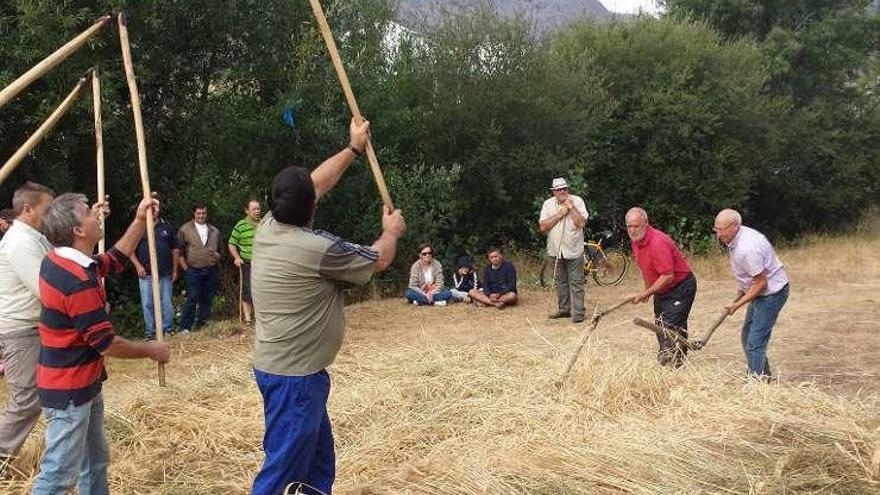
<point x="419" y="297"/>
<point x="146" y="286"/>
<point x="298" y="441"/>
<point x="76" y="448"/>
<point x="760" y="318"/>
<point x="201" y="286"/>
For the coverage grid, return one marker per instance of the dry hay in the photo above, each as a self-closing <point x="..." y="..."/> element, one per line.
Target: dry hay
<point x="459" y="400"/>
<point x="441" y="419"/>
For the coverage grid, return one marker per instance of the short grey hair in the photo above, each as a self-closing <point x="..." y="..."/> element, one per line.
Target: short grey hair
<point x="640" y="212"/>
<point x="28" y="194"/>
<point x="61" y="218"/>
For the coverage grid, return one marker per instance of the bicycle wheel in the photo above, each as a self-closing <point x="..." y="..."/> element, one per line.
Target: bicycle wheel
<point x="611" y="266"/>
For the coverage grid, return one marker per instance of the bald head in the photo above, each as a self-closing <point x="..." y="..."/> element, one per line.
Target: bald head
<point x="636" y="212"/>
<point x="636" y="223"/>
<point x="728" y="215"/>
<point x="727" y="223"/>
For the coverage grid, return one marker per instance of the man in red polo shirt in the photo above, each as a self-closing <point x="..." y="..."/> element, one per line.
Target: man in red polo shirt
<point x="668" y="278"/>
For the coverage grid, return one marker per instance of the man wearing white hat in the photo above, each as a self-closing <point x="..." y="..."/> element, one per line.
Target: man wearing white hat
<point x="563" y="218"/>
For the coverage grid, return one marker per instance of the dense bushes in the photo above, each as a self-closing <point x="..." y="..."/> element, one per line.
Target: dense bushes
<point x="472" y="117"/>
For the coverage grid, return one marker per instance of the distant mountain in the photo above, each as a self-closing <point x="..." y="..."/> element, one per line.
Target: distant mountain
<point x="547" y="13"/>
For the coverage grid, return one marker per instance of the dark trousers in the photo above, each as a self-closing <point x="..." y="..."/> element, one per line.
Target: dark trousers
<point x="201" y="286"/>
<point x="299" y="440"/>
<point x="671" y="311"/>
<point x="246" y="282"/>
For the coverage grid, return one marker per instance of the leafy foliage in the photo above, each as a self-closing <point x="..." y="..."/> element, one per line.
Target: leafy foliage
<point x="767" y="106"/>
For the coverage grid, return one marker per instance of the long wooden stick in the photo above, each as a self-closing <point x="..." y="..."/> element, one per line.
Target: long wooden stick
<point x="650" y="325"/>
<point x="41" y="132"/>
<point x="593" y="324"/>
<point x="48" y="63"/>
<point x="99" y="147"/>
<point x="702" y="341"/>
<point x="145" y="180"/>
<point x="349" y="97"/>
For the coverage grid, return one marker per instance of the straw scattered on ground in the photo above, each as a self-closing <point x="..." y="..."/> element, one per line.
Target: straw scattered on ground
<point x="462" y="400"/>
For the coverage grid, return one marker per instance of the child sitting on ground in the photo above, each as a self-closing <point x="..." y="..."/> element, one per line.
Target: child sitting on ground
<point x="464" y="279"/>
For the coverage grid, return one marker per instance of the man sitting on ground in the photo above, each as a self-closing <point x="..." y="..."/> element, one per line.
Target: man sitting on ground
<point x="499" y="279"/>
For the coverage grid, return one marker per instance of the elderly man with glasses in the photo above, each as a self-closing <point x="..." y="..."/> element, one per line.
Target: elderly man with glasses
<point x="563" y="218"/>
<point x="763" y="285"/>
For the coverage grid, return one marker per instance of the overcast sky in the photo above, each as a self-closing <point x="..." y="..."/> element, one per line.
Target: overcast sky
<point x="630" y="6"/>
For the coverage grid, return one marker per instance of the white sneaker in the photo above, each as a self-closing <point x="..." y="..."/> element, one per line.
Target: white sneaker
<point x="440" y="303"/>
<point x="184" y="332"/>
<point x="416" y="303"/>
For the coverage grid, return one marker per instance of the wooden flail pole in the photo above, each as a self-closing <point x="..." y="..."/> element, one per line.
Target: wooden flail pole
<point x="577" y="352"/>
<point x="349" y="97"/>
<point x="99" y="148"/>
<point x="41" y="131"/>
<point x="47" y="64"/>
<point x="145" y="180"/>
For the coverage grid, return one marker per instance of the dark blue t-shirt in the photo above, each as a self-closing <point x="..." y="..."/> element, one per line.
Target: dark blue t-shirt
<point x="499" y="281"/>
<point x="166" y="241"/>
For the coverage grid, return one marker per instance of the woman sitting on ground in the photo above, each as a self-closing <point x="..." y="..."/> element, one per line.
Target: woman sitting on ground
<point x="426" y="280"/>
<point x="464" y="279"/>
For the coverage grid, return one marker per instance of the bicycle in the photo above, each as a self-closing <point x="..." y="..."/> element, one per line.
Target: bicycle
<point x="606" y="266"/>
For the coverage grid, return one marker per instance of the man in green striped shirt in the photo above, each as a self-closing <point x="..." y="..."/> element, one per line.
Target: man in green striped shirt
<point x="241" y="247"/>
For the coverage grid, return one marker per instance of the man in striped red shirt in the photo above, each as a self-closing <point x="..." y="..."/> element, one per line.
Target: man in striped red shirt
<point x="75" y="335"/>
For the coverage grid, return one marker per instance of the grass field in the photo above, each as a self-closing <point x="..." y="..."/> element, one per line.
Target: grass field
<point x="461" y="400"/>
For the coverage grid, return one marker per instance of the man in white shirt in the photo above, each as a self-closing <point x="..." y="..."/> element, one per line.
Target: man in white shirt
<point x="762" y="282"/>
<point x="563" y="218"/>
<point x="22" y="250"/>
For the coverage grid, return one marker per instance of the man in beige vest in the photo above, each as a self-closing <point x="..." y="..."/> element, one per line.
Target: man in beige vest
<point x="198" y="241"/>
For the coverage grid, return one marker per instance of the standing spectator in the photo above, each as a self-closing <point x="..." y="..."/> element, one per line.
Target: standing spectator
<point x="499" y="282"/>
<point x="198" y="242"/>
<point x="75" y="335"/>
<point x="763" y="285"/>
<point x="298" y="283"/>
<point x="168" y="259"/>
<point x="464" y="279"/>
<point x="21" y="252"/>
<point x="426" y="280"/>
<point x="563" y="218"/>
<point x="669" y="279"/>
<point x="6" y="219"/>
<point x="241" y="245"/>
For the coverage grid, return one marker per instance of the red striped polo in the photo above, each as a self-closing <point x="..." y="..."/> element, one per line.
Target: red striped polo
<point x="74" y="327"/>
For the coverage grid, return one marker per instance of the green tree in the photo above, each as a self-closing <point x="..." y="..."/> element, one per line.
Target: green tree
<point x="821" y="167"/>
<point x="684" y="113"/>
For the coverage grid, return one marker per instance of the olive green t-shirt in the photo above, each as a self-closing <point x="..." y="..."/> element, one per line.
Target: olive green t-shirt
<point x="297" y="281"/>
